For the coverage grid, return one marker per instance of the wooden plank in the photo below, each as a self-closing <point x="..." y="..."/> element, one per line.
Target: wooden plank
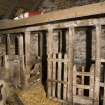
<point x="54" y="76"/>
<point x="57" y="81"/>
<point x="92" y="9"/>
<point x="65" y="78"/>
<point x="59" y="75"/>
<point x="74" y="79"/>
<point x="49" y="83"/>
<point x="91" y="91"/>
<point x="97" y="65"/>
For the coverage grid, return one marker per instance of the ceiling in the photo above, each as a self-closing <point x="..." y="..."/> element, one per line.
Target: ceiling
<point x="9" y="7"/>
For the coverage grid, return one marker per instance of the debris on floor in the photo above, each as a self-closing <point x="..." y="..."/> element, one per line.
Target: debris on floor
<point x="35" y="96"/>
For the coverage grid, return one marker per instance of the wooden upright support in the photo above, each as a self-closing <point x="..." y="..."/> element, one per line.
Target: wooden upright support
<point x="21" y="54"/>
<point x="97" y="65"/>
<point x="70" y="72"/>
<point x="27" y="56"/>
<point x="50" y="37"/>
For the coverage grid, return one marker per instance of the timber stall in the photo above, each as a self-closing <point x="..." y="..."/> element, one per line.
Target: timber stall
<point x="69" y="47"/>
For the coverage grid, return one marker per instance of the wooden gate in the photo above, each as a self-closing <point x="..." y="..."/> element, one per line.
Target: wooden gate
<point x="83" y="85"/>
<point x="58" y="69"/>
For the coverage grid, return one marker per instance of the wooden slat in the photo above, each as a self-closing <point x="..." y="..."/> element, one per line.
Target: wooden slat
<point x="91" y="91"/>
<point x="49" y="84"/>
<point x="57" y="81"/>
<point x="54" y="76"/>
<point x="59" y="76"/>
<point x="74" y="80"/>
<point x="65" y="79"/>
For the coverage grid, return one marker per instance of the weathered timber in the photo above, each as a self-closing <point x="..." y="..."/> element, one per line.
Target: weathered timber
<point x="70" y="66"/>
<point x="27" y="57"/>
<point x="98" y="65"/>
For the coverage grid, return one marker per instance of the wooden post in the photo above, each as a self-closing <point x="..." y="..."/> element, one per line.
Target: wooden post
<point x="97" y="65"/>
<point x="70" y="66"/>
<point x="27" y="57"/>
<point x="49" y="52"/>
<point x="21" y="54"/>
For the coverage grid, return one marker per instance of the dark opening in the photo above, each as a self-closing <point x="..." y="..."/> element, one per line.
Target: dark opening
<point x="44" y="59"/>
<point x="62" y="78"/>
<point x="79" y="68"/>
<point x="62" y="41"/>
<point x="86" y="80"/>
<point x="79" y="79"/>
<point x="77" y="91"/>
<point x="101" y="96"/>
<point x="86" y="92"/>
<point x="56" y="79"/>
<point x="39" y="42"/>
<point x="6" y="45"/>
<point x="102" y="72"/>
<point x="88" y="49"/>
<point x="16" y="46"/>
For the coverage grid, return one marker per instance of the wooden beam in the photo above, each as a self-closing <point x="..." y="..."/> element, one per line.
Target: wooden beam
<point x="75" y="12"/>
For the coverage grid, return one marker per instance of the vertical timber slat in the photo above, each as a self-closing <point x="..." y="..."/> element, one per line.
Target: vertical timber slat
<point x="49" y="76"/>
<point x="59" y="75"/>
<point x="54" y="75"/>
<point x="65" y="78"/>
